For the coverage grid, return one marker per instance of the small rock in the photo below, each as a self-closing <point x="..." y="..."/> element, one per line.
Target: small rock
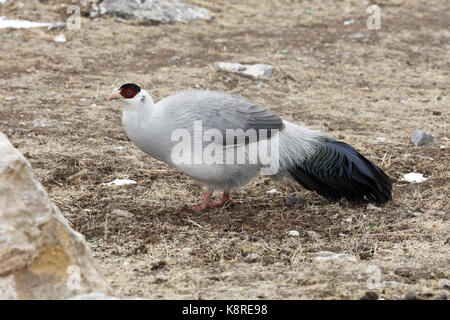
<point x="122" y="213"/>
<point x="444" y="283"/>
<point x="60" y="38"/>
<point x="272" y="191"/>
<point x="294" y="233"/>
<point x="423" y="139"/>
<point x="335" y="257"/>
<point x="188" y="250"/>
<point x="252" y="258"/>
<point x="10" y="98"/>
<point x="160" y="278"/>
<point x="356" y="36"/>
<point x="255" y="71"/>
<point x="313" y="235"/>
<point x="292" y="201"/>
<point x="57" y="25"/>
<point x="158" y="265"/>
<point x="372" y="207"/>
<point x="347" y="22"/>
<point x="369" y="296"/>
<point x="411" y="296"/>
<point x="424" y="100"/>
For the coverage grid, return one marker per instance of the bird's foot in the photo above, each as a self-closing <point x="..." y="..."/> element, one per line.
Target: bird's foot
<point x="205" y="203"/>
<point x="225" y="200"/>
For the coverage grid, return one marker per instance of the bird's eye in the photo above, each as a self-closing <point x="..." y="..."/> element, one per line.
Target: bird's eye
<point x="128" y="93"/>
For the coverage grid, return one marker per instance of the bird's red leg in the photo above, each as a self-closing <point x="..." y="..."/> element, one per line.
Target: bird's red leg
<point x="225" y="199"/>
<point x="204" y="203"/>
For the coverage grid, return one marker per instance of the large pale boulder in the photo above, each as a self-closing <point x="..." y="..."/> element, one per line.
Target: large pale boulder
<point x="41" y="257"/>
<point x="154" y="11"/>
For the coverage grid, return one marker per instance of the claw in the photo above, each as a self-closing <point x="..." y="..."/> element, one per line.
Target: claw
<point x="205" y="203"/>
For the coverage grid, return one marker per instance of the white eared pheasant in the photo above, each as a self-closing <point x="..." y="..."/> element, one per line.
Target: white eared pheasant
<point x="331" y="168"/>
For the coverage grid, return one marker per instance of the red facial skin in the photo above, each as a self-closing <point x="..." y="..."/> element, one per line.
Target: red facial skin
<point x="128" y="93"/>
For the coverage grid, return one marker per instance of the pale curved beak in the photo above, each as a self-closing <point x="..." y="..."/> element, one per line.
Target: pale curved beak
<point x="114" y="95"/>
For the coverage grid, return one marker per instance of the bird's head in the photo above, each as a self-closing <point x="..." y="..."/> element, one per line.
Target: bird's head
<point x="130" y="93"/>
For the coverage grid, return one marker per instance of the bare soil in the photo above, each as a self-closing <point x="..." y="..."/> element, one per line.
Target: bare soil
<point x="369" y="88"/>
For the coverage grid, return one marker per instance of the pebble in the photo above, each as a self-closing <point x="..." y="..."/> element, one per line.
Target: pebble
<point x="122" y="213"/>
<point x="411" y="296"/>
<point x="256" y="71"/>
<point x="372" y="207"/>
<point x="252" y="258"/>
<point x="423" y="139"/>
<point x="313" y="235"/>
<point x="57" y="25"/>
<point x="369" y="296"/>
<point x="444" y="283"/>
<point x="60" y="38"/>
<point x="291" y="201"/>
<point x="356" y="36"/>
<point x="335" y="257"/>
<point x="294" y="233"/>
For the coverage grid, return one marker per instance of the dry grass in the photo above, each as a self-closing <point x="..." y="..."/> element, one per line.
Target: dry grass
<point x="356" y="90"/>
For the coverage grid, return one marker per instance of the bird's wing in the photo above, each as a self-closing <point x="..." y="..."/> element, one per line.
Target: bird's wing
<point x="227" y="113"/>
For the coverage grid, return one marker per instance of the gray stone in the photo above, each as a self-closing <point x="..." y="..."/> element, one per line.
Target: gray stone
<point x="292" y="201"/>
<point x="423" y="139"/>
<point x="313" y="235"/>
<point x="256" y="71"/>
<point x="153" y="11"/>
<point x="122" y="213"/>
<point x="252" y="258"/>
<point x="335" y="257"/>
<point x="41" y="257"/>
<point x="57" y="25"/>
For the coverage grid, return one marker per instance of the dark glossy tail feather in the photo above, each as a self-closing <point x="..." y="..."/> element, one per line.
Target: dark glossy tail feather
<point x="338" y="171"/>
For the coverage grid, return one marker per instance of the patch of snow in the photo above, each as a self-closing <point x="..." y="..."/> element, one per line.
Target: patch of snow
<point x="414" y="177"/>
<point x="21" y="24"/>
<point x="60" y="38"/>
<point x="119" y="182"/>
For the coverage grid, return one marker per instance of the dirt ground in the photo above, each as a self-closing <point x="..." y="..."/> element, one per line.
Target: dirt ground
<point x="369" y="88"/>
